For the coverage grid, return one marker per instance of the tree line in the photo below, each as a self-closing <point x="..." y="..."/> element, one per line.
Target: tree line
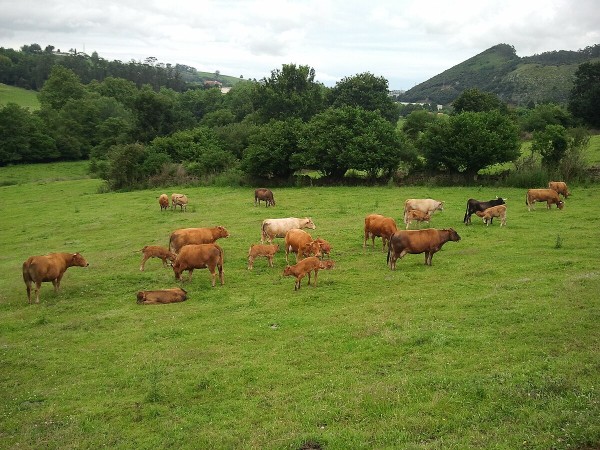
<point x="139" y="136"/>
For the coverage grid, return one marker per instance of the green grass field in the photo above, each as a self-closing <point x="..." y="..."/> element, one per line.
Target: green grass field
<point x="22" y="97"/>
<point x="496" y="345"/>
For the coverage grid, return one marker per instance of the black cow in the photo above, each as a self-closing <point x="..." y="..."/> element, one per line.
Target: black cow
<point x="475" y="205"/>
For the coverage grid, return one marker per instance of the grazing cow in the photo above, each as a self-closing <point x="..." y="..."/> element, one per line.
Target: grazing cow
<point x="184" y="236"/>
<point x="560" y="187"/>
<point x="264" y="194"/>
<point x="426" y="241"/>
<point x="51" y="267"/>
<point x="495" y="211"/>
<point x="266" y="250"/>
<point x="272" y="228"/>
<point x="180" y="200"/>
<point x="327" y="264"/>
<point x="377" y="225"/>
<point x="475" y="205"/>
<point x="199" y="256"/>
<point x="162" y="296"/>
<point x="543" y="195"/>
<point x="325" y="246"/>
<point x="156" y="251"/>
<point x="426" y="205"/>
<point x="304" y="267"/>
<point x="301" y="243"/>
<point x="163" y="201"/>
<point x="417" y="216"/>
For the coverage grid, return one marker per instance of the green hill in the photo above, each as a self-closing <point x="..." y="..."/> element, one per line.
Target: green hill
<point x="22" y="97"/>
<point x="516" y="80"/>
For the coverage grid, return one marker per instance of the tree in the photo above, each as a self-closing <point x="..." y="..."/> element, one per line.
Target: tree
<point x="289" y="93"/>
<point x="62" y="86"/>
<point x="271" y="148"/>
<point x="417" y="122"/>
<point x="475" y="100"/>
<point x="470" y="141"/>
<point x="585" y="95"/>
<point x="345" y="138"/>
<point x="539" y="117"/>
<point x="366" y="91"/>
<point x="551" y="144"/>
<point x="24" y="137"/>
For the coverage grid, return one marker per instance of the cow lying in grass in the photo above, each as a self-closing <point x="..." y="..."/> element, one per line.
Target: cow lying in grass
<point x="160" y="297"/>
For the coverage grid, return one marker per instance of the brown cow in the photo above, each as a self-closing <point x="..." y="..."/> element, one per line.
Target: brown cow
<point x="301" y="243"/>
<point x="184" y="236"/>
<point x="266" y="250"/>
<point x="560" y="187"/>
<point x="377" y="225"/>
<point x="426" y="241"/>
<point x="162" y="296"/>
<point x="495" y="211"/>
<point x="199" y="256"/>
<point x="163" y="201"/>
<point x="264" y="194"/>
<point x="417" y="216"/>
<point x="180" y="200"/>
<point x="51" y="267"/>
<point x="299" y="270"/>
<point x="325" y="246"/>
<point x="543" y="195"/>
<point x="156" y="251"/>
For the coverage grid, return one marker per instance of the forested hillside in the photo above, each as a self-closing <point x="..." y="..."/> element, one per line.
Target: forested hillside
<point x="547" y="77"/>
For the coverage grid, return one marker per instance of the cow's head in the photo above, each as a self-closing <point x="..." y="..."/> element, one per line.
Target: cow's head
<point x="223" y="233"/>
<point x="560" y="204"/>
<point x="312" y="248"/>
<point x="309" y="223"/>
<point x="440" y="206"/>
<point x="499" y="201"/>
<point x="453" y="235"/>
<point x="287" y="271"/>
<point x="79" y="260"/>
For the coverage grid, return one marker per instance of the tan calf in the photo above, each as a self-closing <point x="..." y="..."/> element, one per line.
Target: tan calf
<point x="160" y="297"/>
<point x="414" y="215"/>
<point x="304" y="267"/>
<point x="325" y="246"/>
<point x="495" y="211"/>
<point x="156" y="251"/>
<point x="266" y="250"/>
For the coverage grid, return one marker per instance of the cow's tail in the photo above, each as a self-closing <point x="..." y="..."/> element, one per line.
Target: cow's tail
<point x="170" y="246"/>
<point x="263" y="232"/>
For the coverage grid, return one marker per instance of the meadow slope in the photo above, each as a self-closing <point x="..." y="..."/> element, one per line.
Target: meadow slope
<point x="496" y="345"/>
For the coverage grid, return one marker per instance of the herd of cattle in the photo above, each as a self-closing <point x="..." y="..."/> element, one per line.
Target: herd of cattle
<point x="195" y="248"/>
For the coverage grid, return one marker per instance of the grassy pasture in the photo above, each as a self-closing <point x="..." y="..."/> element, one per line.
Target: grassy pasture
<point x="20" y="96"/>
<point x="497" y="345"/>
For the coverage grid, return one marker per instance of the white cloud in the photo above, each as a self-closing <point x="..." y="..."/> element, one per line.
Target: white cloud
<point x="405" y="41"/>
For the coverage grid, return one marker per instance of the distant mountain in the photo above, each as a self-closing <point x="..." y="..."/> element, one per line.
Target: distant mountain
<point x="547" y="77"/>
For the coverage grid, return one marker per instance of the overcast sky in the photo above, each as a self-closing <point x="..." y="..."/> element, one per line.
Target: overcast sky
<point x="404" y="41"/>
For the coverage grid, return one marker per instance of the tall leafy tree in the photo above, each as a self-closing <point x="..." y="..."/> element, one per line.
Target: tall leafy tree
<point x="468" y="142"/>
<point x="585" y="95"/>
<point x="345" y="138"/>
<point x="552" y="144"/>
<point x="291" y="92"/>
<point x="474" y="100"/>
<point x="365" y="91"/>
<point x="62" y="86"/>
<point x="270" y="149"/>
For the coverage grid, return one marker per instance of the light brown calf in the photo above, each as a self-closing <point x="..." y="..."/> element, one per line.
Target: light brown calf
<point x="327" y="264"/>
<point x="266" y="250"/>
<point x="156" y="251"/>
<point x="325" y="246"/>
<point x="163" y="201"/>
<point x="495" y="211"/>
<point x="414" y="215"/>
<point x="560" y="187"/>
<point x="377" y="225"/>
<point x="301" y="243"/>
<point x="160" y="297"/>
<point x="304" y="267"/>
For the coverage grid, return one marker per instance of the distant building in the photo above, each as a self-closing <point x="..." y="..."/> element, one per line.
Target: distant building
<point x="213" y="83"/>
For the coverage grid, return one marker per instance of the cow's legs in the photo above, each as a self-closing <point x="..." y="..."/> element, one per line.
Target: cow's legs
<point x="316" y="273"/>
<point x="221" y="277"/>
<point x="28" y="284"/>
<point x="190" y="273"/>
<point x="38" y="285"/>
<point x="144" y="259"/>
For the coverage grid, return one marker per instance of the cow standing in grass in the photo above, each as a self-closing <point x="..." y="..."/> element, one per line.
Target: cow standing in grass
<point x="428" y="241"/>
